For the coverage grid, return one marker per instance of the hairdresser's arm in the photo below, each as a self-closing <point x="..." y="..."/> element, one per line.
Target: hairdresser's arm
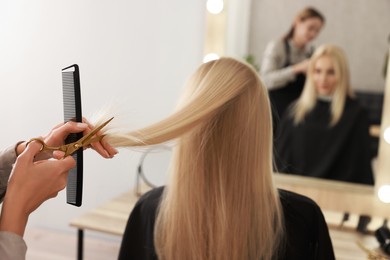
<point x="7" y="159"/>
<point x="55" y="137"/>
<point x="31" y="183"/>
<point x="272" y="70"/>
<point x="12" y="246"/>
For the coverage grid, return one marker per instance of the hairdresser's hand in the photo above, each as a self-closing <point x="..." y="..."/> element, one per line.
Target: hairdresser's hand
<point x="31" y="183"/>
<point x="57" y="135"/>
<point x="102" y="147"/>
<point x="301" y="67"/>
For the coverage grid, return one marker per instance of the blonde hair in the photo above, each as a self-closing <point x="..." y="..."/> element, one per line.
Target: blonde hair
<point x="343" y="89"/>
<point x="220" y="202"/>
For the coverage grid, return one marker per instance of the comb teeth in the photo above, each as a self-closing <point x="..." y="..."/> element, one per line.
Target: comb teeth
<point x="68" y="92"/>
<point x="71" y="187"/>
<point x="72" y="112"/>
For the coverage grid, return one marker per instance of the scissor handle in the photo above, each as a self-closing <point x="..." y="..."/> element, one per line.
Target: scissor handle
<point x="70" y="148"/>
<point x="45" y="147"/>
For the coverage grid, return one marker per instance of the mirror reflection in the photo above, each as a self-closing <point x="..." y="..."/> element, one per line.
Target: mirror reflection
<point x="325" y="133"/>
<point x="330" y="129"/>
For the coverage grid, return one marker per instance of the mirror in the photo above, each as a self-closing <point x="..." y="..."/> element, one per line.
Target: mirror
<point x="363" y="34"/>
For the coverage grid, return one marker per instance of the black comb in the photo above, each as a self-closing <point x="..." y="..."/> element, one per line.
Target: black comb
<point x="72" y="112"/>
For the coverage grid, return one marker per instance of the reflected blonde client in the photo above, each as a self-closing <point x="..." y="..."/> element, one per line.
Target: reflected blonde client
<point x="326" y="133"/>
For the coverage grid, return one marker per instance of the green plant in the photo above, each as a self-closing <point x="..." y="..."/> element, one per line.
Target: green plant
<point x="252" y="61"/>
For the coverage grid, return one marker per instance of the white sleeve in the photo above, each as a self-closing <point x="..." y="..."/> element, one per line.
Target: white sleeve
<point x="273" y="74"/>
<point x="12" y="246"/>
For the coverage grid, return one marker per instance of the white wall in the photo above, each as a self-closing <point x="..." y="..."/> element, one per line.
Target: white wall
<point x="360" y="27"/>
<point x="137" y="53"/>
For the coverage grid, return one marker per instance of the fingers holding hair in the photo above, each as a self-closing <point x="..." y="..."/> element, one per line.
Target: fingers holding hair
<point x="101" y="147"/>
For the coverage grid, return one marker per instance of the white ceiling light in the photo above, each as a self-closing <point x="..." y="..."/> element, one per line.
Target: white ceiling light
<point x="214" y="6"/>
<point x="210" y="57"/>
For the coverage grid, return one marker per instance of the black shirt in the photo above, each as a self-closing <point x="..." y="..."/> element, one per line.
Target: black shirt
<point x="307" y="235"/>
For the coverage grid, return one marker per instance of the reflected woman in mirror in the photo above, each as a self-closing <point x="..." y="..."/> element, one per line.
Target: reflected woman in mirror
<point x="285" y="60"/>
<point x="220" y="201"/>
<point x="326" y="132"/>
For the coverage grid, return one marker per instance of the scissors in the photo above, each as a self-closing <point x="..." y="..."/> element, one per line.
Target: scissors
<point x="70" y="148"/>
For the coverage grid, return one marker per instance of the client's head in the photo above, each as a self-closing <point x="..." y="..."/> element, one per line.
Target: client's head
<point x="329" y="62"/>
<point x="220" y="201"/>
<point x="224" y="93"/>
<point x="327" y="76"/>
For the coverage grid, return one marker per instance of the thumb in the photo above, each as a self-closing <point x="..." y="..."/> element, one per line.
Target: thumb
<point x="58" y="155"/>
<point x="68" y="162"/>
<point x="31" y="150"/>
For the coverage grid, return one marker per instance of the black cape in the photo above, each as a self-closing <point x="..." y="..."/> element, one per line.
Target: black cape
<point x="313" y="148"/>
<point x="307" y="235"/>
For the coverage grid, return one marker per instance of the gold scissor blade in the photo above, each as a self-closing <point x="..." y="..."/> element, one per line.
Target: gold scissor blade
<point x="86" y="140"/>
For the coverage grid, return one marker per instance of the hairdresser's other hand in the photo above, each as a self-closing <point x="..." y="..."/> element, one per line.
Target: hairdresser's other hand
<point x="102" y="147"/>
<point x="56" y="137"/>
<point x="31" y="183"/>
<point x="301" y="67"/>
<point x="58" y="134"/>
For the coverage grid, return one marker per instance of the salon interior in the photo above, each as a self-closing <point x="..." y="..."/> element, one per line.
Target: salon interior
<point x="134" y="57"/>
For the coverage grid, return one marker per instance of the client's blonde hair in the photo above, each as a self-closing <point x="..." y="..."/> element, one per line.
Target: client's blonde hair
<point x="220" y="202"/>
<point x="343" y="89"/>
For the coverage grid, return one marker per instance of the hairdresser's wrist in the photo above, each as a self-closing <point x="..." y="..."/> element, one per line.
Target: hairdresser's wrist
<point x="13" y="217"/>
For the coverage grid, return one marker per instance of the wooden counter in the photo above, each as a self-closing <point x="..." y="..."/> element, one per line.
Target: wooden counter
<point x="111" y="218"/>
